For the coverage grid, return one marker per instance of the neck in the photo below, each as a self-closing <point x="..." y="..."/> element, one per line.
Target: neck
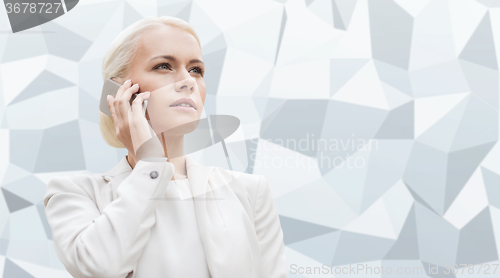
<point x="175" y="155"/>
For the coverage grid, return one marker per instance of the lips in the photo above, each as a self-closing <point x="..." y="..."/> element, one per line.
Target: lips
<point x="184" y="100"/>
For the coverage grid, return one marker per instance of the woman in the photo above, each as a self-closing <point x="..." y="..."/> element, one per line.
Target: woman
<point x="129" y="221"/>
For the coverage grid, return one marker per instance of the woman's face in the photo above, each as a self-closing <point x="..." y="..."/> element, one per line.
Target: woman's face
<point x="169" y="64"/>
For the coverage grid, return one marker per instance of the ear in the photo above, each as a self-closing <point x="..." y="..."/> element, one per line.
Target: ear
<point x="117" y="79"/>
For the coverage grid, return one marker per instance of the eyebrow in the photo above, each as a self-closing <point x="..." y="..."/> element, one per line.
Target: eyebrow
<point x="170" y="57"/>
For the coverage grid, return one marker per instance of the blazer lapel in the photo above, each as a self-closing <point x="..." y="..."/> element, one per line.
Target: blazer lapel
<point x="117" y="174"/>
<point x="231" y="247"/>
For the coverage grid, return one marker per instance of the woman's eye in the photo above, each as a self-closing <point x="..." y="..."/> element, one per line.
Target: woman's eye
<point x="199" y="70"/>
<point x="167" y="66"/>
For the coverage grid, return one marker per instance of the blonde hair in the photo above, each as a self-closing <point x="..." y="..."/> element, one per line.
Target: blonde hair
<point x="121" y="52"/>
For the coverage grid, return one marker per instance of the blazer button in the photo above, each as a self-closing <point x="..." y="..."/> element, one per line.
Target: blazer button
<point x="153" y="175"/>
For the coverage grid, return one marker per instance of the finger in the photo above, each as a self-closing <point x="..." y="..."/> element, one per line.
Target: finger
<point x="111" y="107"/>
<point x="124" y="101"/>
<point x="140" y="132"/>
<point x="137" y="104"/>
<point x="127" y="94"/>
<point x="110" y="99"/>
<point x="123" y="88"/>
<point x="119" y="93"/>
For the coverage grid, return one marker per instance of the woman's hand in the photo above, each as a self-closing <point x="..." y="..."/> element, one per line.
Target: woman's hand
<point x="132" y="128"/>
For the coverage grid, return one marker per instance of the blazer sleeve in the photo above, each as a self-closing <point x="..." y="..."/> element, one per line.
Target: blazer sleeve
<point x="269" y="233"/>
<point x="105" y="244"/>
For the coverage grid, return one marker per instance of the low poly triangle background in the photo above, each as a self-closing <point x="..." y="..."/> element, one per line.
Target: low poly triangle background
<point x="376" y="122"/>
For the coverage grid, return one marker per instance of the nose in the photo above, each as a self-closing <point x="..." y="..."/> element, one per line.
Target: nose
<point x="187" y="84"/>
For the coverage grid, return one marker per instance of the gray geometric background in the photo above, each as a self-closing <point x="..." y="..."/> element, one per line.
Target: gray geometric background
<point x="374" y="121"/>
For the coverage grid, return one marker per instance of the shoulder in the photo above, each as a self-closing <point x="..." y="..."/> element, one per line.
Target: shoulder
<point x="251" y="184"/>
<point x="82" y="184"/>
<point x="240" y="179"/>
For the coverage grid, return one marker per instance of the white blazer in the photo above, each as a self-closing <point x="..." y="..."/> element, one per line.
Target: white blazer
<point x="100" y="222"/>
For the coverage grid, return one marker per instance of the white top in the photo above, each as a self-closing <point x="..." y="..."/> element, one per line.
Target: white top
<point x="180" y="250"/>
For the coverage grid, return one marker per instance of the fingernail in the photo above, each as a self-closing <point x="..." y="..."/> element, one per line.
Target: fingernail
<point x="128" y="81"/>
<point x="147" y="93"/>
<point x="108" y="96"/>
<point x="136" y="85"/>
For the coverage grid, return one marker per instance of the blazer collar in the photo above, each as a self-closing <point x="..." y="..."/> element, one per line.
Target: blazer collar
<point x="197" y="173"/>
<point x="119" y="168"/>
<point x="227" y="232"/>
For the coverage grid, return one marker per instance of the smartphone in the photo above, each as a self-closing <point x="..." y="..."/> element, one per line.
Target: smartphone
<point x="111" y="87"/>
